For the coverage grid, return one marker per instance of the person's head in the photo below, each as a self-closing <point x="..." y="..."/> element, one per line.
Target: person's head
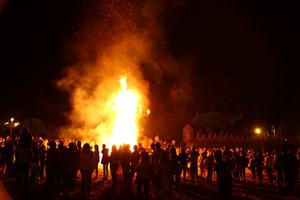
<point x="182" y="150"/>
<point x="173" y="151"/>
<point x="140" y="145"/>
<point x="52" y="145"/>
<point x="157" y="145"/>
<point x="145" y="157"/>
<point x="135" y="147"/>
<point x="71" y="146"/>
<point x="193" y="149"/>
<point x="25" y="138"/>
<point x="153" y="146"/>
<point x="127" y="147"/>
<point x="86" y="147"/>
<point x="114" y="148"/>
<point x="96" y="147"/>
<point x="79" y="144"/>
<point x="218" y="155"/>
<point x="103" y="146"/>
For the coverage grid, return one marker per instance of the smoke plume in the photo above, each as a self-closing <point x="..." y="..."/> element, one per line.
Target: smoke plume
<point x="116" y="38"/>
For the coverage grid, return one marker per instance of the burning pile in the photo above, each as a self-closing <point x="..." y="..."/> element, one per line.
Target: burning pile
<point x="125" y="105"/>
<point x="122" y="38"/>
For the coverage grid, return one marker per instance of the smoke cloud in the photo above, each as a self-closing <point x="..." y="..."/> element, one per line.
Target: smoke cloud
<point x="116" y="38"/>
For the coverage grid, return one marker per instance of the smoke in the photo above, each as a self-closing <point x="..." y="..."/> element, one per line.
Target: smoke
<point x="116" y="38"/>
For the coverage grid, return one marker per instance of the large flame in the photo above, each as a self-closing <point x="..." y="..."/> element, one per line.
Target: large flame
<point x="125" y="105"/>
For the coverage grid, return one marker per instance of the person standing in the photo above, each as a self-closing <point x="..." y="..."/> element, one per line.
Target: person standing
<point x="86" y="166"/>
<point x="210" y="166"/>
<point x="143" y="170"/>
<point x="183" y="160"/>
<point x="194" y="164"/>
<point x="114" y="164"/>
<point x="105" y="161"/>
<point x="42" y="150"/>
<point x="134" y="160"/>
<point x="269" y="162"/>
<point x="174" y="166"/>
<point x="97" y="159"/>
<point x="23" y="157"/>
<point x="259" y="159"/>
<point x="224" y="177"/>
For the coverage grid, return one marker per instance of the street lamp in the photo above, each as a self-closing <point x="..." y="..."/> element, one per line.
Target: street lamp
<point x="11" y="124"/>
<point x="257" y="131"/>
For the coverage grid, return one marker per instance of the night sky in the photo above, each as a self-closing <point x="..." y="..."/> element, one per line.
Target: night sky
<point x="240" y="56"/>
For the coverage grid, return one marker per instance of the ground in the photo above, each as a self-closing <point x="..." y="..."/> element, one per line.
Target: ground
<point x="246" y="190"/>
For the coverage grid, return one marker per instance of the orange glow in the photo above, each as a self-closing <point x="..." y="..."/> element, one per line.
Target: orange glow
<point x="257" y="131"/>
<point x="125" y="105"/>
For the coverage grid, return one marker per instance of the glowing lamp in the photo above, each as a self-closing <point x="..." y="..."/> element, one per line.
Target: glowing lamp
<point x="257" y="131"/>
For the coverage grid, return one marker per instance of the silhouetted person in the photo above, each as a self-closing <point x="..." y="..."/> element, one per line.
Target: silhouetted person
<point x="278" y="166"/>
<point x="269" y="163"/>
<point x="160" y="171"/>
<point x="78" y="146"/>
<point x="126" y="170"/>
<point x="203" y="163"/>
<point x="290" y="169"/>
<point x="2" y="158"/>
<point x="244" y="163"/>
<point x="174" y="167"/>
<point x="183" y="160"/>
<point x="143" y="170"/>
<point x="114" y="164"/>
<point x="236" y="166"/>
<point x="23" y="157"/>
<point x="252" y="165"/>
<point x="97" y="159"/>
<point x="62" y="166"/>
<point x="134" y="160"/>
<point x="9" y="157"/>
<point x="224" y="179"/>
<point x="71" y="165"/>
<point x="210" y="165"/>
<point x="42" y="152"/>
<point x="78" y="149"/>
<point x="104" y="161"/>
<point x="35" y="162"/>
<point x="194" y="164"/>
<point x="140" y="147"/>
<point x="86" y="165"/>
<point x="259" y="159"/>
<point x="51" y="164"/>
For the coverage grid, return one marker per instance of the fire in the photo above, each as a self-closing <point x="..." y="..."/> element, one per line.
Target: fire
<point x="125" y="104"/>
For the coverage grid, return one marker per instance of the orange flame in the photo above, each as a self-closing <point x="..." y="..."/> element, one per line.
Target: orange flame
<point x="125" y="105"/>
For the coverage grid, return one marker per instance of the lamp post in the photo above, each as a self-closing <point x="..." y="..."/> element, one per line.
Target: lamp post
<point x="11" y="124"/>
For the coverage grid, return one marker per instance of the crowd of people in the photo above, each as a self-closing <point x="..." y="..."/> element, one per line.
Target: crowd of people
<point x="164" y="167"/>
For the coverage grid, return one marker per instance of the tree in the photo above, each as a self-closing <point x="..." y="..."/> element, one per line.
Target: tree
<point x="36" y="127"/>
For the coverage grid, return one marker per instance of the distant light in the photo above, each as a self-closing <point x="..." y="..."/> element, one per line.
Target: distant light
<point x="148" y="112"/>
<point x="12" y="119"/>
<point x="257" y="131"/>
<point x="16" y="124"/>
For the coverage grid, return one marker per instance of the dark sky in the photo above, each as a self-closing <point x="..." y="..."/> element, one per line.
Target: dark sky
<point x="239" y="56"/>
